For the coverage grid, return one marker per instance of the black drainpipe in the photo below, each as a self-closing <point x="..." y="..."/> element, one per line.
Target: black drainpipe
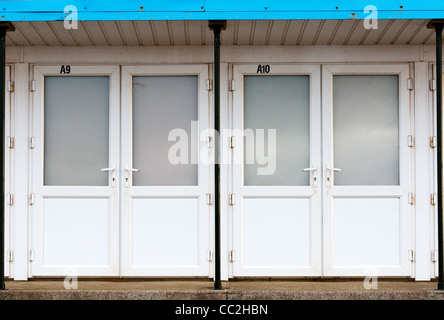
<point x="4" y="26"/>
<point x="438" y="26"/>
<point x="217" y="26"/>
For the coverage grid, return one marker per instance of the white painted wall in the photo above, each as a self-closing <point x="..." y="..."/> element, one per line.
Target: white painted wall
<point x="20" y="59"/>
<point x="127" y="55"/>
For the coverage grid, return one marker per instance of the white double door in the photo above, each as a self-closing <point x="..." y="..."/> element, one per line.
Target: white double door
<point x="320" y="172"/>
<point x="120" y="171"/>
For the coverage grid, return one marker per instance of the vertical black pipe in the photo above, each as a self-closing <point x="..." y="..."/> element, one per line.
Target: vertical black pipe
<point x="438" y="29"/>
<point x="2" y="157"/>
<point x="217" y="26"/>
<point x="217" y="282"/>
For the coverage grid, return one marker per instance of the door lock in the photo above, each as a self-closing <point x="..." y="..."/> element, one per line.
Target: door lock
<point x="315" y="174"/>
<point x="113" y="174"/>
<point x="127" y="173"/>
<point x="330" y="171"/>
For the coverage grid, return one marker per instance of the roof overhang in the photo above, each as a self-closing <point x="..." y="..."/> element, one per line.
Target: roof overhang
<point x="238" y="32"/>
<point x="99" y="10"/>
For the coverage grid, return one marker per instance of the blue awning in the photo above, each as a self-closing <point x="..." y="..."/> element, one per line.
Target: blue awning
<point x="98" y="10"/>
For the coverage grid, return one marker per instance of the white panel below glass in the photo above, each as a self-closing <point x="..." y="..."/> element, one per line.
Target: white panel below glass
<point x="75" y="232"/>
<point x="165" y="232"/>
<point x="366" y="232"/>
<point x="276" y="232"/>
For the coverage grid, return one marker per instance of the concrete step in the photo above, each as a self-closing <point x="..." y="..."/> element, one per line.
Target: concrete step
<point x="232" y="290"/>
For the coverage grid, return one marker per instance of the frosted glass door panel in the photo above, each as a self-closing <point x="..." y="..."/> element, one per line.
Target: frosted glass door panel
<point x="76" y="125"/>
<point x="162" y="104"/>
<point x="366" y="130"/>
<point x="279" y="104"/>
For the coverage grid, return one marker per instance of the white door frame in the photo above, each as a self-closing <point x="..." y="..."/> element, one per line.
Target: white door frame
<point x="313" y="193"/>
<point x="400" y="192"/>
<point x="433" y="168"/>
<point x="199" y="192"/>
<point x="9" y="170"/>
<point x="42" y="192"/>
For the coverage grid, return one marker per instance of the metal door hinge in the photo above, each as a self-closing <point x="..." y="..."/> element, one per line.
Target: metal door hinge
<point x="10" y="255"/>
<point x="32" y="86"/>
<point x="432" y="85"/>
<point x="411" y="255"/>
<point x="10" y="199"/>
<point x="10" y="142"/>
<point x="434" y="199"/>
<point x="209" y="85"/>
<point x="209" y="199"/>
<point x="409" y="84"/>
<point x="10" y="86"/>
<point x="232" y="85"/>
<point x="434" y="255"/>
<point x="31" y="255"/>
<point x="232" y="255"/>
<point x="433" y="142"/>
<point x="232" y="142"/>
<point x="32" y="143"/>
<point x="411" y="198"/>
<point x="410" y="141"/>
<point x="209" y="255"/>
<point x="209" y="142"/>
<point x="232" y="199"/>
<point x="32" y="199"/>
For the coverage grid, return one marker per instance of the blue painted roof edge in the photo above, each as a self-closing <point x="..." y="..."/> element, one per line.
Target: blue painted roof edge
<point x="97" y="10"/>
<point x="109" y="16"/>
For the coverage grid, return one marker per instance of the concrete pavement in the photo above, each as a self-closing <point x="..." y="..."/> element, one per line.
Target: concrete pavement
<point x="142" y="289"/>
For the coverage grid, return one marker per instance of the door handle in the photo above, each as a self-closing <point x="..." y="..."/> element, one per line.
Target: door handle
<point x="108" y="169"/>
<point x="333" y="169"/>
<point x="315" y="174"/>
<point x="128" y="170"/>
<point x="113" y="175"/>
<point x="330" y="171"/>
